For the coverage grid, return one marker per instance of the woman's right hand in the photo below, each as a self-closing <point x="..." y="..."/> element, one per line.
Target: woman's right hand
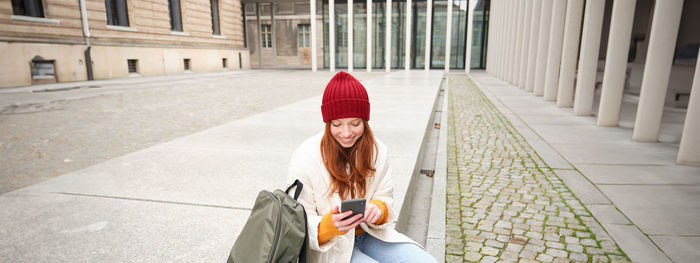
<point x="347" y="224"/>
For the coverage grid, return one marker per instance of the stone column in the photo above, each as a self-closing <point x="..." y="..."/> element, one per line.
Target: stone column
<point x="689" y="152"/>
<point x="657" y="69"/>
<point x="369" y="36"/>
<point x="532" y="54"/>
<point x="312" y="13"/>
<point x="470" y="31"/>
<point x="351" y="36"/>
<point x="616" y="62"/>
<point x="554" y="56"/>
<point x="408" y="27"/>
<point x="331" y="34"/>
<point x="448" y="36"/>
<point x="513" y="43"/>
<point x="502" y="29"/>
<point x="543" y="47"/>
<point x="572" y="30"/>
<point x="588" y="63"/>
<point x="518" y="41"/>
<point x="387" y="37"/>
<point x="428" y="34"/>
<point x="525" y="45"/>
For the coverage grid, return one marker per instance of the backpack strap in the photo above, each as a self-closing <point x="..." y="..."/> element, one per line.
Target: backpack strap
<point x="304" y="248"/>
<point x="297" y="192"/>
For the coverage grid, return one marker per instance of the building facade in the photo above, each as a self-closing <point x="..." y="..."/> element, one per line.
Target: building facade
<point x="402" y="34"/>
<point x="46" y="41"/>
<point x="583" y="54"/>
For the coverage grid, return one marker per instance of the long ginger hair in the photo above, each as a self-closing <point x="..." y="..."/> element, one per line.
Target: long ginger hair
<point x="349" y="167"/>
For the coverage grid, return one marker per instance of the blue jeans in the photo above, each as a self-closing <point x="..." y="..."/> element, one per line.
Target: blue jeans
<point x="370" y="249"/>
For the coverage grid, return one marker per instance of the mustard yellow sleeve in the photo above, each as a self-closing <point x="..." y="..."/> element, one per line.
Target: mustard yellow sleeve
<point x="327" y="230"/>
<point x="385" y="211"/>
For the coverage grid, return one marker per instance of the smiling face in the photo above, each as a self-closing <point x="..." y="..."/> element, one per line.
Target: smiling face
<point x="347" y="131"/>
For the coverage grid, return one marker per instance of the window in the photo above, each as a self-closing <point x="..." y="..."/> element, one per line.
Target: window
<point x="117" y="13"/>
<point x="133" y="65"/>
<point x="28" y="8"/>
<point x="215" y="17"/>
<point x="187" y="64"/>
<point x="175" y="15"/>
<point x="304" y="35"/>
<point x="266" y="35"/>
<point x="223" y="61"/>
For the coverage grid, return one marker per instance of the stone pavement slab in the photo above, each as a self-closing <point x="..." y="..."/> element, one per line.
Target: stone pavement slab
<point x="653" y="202"/>
<point x="187" y="199"/>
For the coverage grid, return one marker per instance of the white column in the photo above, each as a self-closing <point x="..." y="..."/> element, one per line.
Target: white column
<point x="504" y="8"/>
<point x="369" y="36"/>
<point x="525" y="45"/>
<point x="331" y="33"/>
<point x="512" y="43"/>
<point x="657" y="69"/>
<point x="387" y="41"/>
<point x="569" y="56"/>
<point x="350" y="38"/>
<point x="545" y="26"/>
<point x="507" y="29"/>
<point x="448" y="36"/>
<point x="689" y="152"/>
<point x="554" y="56"/>
<point x="518" y="42"/>
<point x="532" y="53"/>
<point x="616" y="62"/>
<point x="428" y="34"/>
<point x="408" y="28"/>
<point x="470" y="31"/>
<point x="312" y="12"/>
<point x="588" y="63"/>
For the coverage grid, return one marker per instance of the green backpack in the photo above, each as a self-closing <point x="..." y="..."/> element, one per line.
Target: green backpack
<point x="275" y="230"/>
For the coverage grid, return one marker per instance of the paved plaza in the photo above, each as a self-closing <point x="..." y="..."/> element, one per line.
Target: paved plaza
<point x="166" y="169"/>
<point x="503" y="202"/>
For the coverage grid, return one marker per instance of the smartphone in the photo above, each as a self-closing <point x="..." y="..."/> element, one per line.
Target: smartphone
<point x="357" y="206"/>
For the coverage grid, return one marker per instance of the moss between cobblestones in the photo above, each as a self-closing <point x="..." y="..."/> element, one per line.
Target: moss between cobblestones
<point x="503" y="202"/>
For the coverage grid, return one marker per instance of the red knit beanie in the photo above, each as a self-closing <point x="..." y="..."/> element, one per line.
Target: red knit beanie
<point x="344" y="97"/>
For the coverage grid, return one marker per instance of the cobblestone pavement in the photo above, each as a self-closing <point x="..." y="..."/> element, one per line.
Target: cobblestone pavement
<point x="39" y="142"/>
<point x="504" y="204"/>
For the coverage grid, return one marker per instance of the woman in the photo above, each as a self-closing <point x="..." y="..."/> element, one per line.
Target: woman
<point x="345" y="161"/>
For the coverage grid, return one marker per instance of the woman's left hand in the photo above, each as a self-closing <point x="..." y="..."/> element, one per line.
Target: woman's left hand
<point x="372" y="213"/>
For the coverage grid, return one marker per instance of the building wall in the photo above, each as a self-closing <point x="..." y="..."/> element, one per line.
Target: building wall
<point x="285" y="50"/>
<point x="148" y="38"/>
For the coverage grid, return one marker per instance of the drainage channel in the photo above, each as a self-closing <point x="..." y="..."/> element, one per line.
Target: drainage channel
<point x="415" y="213"/>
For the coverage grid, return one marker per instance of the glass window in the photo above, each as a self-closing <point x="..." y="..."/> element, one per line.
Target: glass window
<point x="303" y="35"/>
<point x="117" y="13"/>
<point x="459" y="37"/>
<point x="437" y="49"/>
<point x="479" y="31"/>
<point x="419" y="20"/>
<point x="28" y="8"/>
<point x="398" y="33"/>
<point x="215" y="17"/>
<point x="359" y="48"/>
<point x="378" y="37"/>
<point x="175" y="15"/>
<point x="266" y="35"/>
<point x="341" y="35"/>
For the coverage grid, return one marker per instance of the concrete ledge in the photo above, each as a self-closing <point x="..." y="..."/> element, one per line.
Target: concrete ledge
<point x="435" y="243"/>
